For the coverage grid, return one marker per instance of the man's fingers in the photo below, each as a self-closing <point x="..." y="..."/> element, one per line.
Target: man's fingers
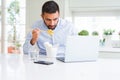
<point x="36" y="31"/>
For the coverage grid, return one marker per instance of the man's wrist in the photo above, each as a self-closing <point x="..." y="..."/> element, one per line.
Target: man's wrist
<point x="32" y="42"/>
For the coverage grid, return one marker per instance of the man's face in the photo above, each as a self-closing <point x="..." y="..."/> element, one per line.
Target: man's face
<point x="51" y="20"/>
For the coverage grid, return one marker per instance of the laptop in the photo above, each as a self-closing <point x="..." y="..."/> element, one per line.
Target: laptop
<point x="80" y="49"/>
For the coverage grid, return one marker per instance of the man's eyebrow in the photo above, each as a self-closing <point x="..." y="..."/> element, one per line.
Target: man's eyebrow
<point x="51" y="19"/>
<point x="55" y="19"/>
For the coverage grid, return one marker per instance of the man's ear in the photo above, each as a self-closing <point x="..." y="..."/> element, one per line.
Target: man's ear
<point x="42" y="15"/>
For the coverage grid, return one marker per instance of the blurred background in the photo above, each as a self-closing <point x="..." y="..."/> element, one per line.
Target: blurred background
<point x="101" y="16"/>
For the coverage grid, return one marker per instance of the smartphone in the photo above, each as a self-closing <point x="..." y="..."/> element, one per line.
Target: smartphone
<point x="43" y="62"/>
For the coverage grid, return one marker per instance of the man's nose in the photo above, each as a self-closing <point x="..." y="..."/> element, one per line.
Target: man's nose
<point x="51" y="22"/>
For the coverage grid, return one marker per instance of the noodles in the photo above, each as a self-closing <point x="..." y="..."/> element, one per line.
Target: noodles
<point x="50" y="32"/>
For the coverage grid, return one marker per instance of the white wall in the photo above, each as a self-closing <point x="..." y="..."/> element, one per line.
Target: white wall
<point x="78" y="5"/>
<point x="94" y="3"/>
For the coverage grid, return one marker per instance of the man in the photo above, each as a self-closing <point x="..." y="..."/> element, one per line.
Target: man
<point x="50" y="29"/>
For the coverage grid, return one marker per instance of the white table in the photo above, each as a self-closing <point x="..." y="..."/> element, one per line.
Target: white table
<point x="18" y="67"/>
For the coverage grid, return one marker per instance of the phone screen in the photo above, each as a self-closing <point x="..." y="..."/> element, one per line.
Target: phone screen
<point x="43" y="62"/>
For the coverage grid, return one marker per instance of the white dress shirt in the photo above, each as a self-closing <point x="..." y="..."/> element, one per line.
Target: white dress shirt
<point x="63" y="29"/>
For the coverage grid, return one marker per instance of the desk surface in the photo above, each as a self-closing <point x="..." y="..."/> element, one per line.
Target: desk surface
<point x="18" y="67"/>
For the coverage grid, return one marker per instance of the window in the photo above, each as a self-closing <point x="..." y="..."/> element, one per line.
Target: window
<point x="14" y="24"/>
<point x="98" y="21"/>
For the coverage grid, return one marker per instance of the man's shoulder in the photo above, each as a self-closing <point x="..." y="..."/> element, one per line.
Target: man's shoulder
<point x="37" y="23"/>
<point x="64" y="21"/>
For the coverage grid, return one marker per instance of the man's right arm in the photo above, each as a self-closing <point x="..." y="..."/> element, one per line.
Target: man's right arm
<point x="27" y="45"/>
<point x="31" y="40"/>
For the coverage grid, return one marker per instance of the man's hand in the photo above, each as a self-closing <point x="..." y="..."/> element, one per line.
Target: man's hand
<point x="35" y="36"/>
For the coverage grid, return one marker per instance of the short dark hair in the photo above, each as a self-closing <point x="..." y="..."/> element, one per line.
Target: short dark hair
<point x="50" y="7"/>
